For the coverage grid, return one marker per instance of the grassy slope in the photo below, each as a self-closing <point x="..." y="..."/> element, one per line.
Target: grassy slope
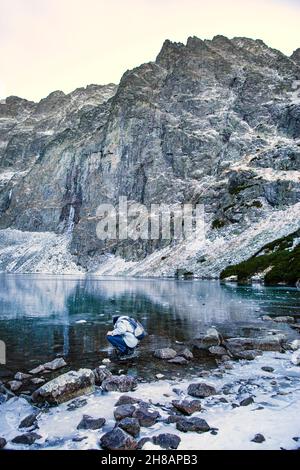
<point x="284" y="260"/>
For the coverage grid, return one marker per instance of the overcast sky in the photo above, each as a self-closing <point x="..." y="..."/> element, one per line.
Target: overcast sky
<point x="46" y="45"/>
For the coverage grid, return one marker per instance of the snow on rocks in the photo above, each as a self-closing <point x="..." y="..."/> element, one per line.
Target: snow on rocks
<point x="121" y="383"/>
<point x="295" y="359"/>
<point x="65" y="387"/>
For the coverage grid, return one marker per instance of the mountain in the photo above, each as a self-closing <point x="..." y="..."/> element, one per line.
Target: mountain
<point x="213" y="122"/>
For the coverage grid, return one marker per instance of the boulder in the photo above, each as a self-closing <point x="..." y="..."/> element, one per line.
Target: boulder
<point x="147" y="417"/>
<point x="28" y="438"/>
<point x="201" y="390"/>
<point x="15" y="385"/>
<point x="127" y="400"/>
<point x="295" y="359"/>
<point x="130" y="425"/>
<point x="267" y="369"/>
<point x="209" y="339"/>
<point x="88" y="422"/>
<point x="77" y="403"/>
<point x="180" y="360"/>
<point x="284" y="319"/>
<point x="21" y="376"/>
<point x="192" y="425"/>
<point x="217" y="351"/>
<point x="117" y="439"/>
<point x="264" y="343"/>
<point x="247" y="401"/>
<point x="258" y="438"/>
<point x="56" y="364"/>
<point x="37" y="381"/>
<point x="165" y="353"/>
<point x="167" y="441"/>
<point x="101" y="373"/>
<point x="266" y="318"/>
<point x="248" y="355"/>
<point x="29" y="421"/>
<point x="187" y="407"/>
<point x="66" y="387"/>
<point x="119" y="383"/>
<point x="123" y="411"/>
<point x="2" y="442"/>
<point x="186" y="353"/>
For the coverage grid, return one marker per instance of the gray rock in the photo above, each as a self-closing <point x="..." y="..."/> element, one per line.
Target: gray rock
<point x="187" y="407"/>
<point x="186" y="353"/>
<point x="77" y="403"/>
<point x="56" y="364"/>
<point x="206" y="341"/>
<point x="284" y="319"/>
<point x="2" y="442"/>
<point x="130" y="425"/>
<point x="267" y="369"/>
<point x="247" y="401"/>
<point x="29" y="421"/>
<point x="217" y="351"/>
<point x="178" y="360"/>
<point x="258" y="438"/>
<point x="165" y="353"/>
<point x="119" y="383"/>
<point x="20" y="376"/>
<point x="88" y="422"/>
<point x="28" y="438"/>
<point x="198" y="425"/>
<point x="117" y="439"/>
<point x="123" y="411"/>
<point x="127" y="400"/>
<point x="101" y="374"/>
<point x="167" y="441"/>
<point x="37" y="381"/>
<point x="147" y="417"/>
<point x="66" y="387"/>
<point x="15" y="385"/>
<point x="201" y="390"/>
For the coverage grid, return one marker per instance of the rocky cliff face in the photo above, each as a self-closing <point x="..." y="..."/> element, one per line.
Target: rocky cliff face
<point x="210" y="122"/>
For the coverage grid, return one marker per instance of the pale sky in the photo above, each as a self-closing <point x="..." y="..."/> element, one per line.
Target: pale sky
<point x="48" y="45"/>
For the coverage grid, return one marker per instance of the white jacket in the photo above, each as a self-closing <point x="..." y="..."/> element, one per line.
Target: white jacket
<point x="124" y="328"/>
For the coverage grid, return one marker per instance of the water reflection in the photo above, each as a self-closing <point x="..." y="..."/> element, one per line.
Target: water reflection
<point x="39" y="314"/>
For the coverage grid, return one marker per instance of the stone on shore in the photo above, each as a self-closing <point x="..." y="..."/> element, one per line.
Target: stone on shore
<point x="201" y="390"/>
<point x="258" y="438"/>
<point x="127" y="400"/>
<point x="264" y="343"/>
<point x="21" y="376"/>
<point x="2" y="442"/>
<point x="295" y="344"/>
<point x="119" y="383"/>
<point x="180" y="360"/>
<point x="117" y="439"/>
<point x="101" y="374"/>
<point x="130" y="425"/>
<point x="123" y="411"/>
<point x="217" y="351"/>
<point x="247" y="401"/>
<point x="15" y="385"/>
<point x="147" y="417"/>
<point x="284" y="319"/>
<point x="166" y="441"/>
<point x="165" y="353"/>
<point x="186" y="353"/>
<point x="88" y="422"/>
<point x="187" y="407"/>
<point x="267" y="369"/>
<point x="28" y="438"/>
<point x="209" y="339"/>
<point x="29" y="421"/>
<point x="198" y="425"/>
<point x="66" y="387"/>
<point x="56" y="364"/>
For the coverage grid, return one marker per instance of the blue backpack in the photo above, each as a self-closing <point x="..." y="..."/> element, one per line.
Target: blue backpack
<point x="138" y="329"/>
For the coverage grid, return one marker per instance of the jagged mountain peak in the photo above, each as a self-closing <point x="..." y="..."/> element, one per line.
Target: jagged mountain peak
<point x="296" y="56"/>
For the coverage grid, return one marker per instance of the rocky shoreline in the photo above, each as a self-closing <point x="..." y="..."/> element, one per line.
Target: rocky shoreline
<point x="92" y="409"/>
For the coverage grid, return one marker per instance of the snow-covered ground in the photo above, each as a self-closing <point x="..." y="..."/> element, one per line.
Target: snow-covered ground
<point x="274" y="413"/>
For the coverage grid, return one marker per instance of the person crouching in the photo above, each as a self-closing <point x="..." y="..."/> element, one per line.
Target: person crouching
<point x="126" y="334"/>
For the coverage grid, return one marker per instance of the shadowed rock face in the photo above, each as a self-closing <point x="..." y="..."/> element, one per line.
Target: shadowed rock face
<point x="213" y="122"/>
